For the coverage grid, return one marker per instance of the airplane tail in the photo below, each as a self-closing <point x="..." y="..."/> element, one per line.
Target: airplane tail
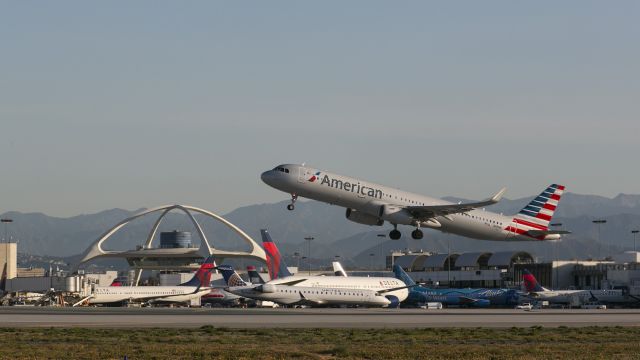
<point x="275" y="262"/>
<point x="231" y="277"/>
<point x="116" y="282"/>
<point x="530" y="282"/>
<point x="338" y="270"/>
<point x="202" y="277"/>
<point x="254" y="277"/>
<point x="534" y="218"/>
<point x="401" y="275"/>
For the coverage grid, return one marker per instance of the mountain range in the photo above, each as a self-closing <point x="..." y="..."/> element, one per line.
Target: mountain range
<point x="334" y="236"/>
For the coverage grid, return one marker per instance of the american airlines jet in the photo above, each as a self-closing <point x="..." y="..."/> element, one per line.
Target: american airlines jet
<point x="372" y="204"/>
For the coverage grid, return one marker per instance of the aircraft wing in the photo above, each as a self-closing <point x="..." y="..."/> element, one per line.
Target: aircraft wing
<point x="380" y="292"/>
<point x="292" y="282"/>
<point x="467" y="300"/>
<point x="431" y="211"/>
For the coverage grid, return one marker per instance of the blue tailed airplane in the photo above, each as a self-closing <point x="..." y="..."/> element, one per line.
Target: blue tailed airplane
<point x="480" y="297"/>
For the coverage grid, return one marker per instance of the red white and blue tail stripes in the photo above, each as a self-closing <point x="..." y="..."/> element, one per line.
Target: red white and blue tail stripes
<point x="538" y="213"/>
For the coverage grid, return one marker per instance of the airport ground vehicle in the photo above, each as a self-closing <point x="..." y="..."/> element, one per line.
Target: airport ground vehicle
<point x="524" y="306"/>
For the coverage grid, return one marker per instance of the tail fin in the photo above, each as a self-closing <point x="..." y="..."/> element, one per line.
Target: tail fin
<point x="275" y="263"/>
<point x="338" y="270"/>
<point x="538" y="213"/>
<point x="116" y="282"/>
<point x="231" y="277"/>
<point x="254" y="277"/>
<point x="530" y="282"/>
<point x="202" y="277"/>
<point x="401" y="275"/>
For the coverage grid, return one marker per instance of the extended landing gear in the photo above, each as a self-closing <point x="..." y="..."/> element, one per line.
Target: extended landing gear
<point x="395" y="234"/>
<point x="417" y="234"/>
<point x="292" y="206"/>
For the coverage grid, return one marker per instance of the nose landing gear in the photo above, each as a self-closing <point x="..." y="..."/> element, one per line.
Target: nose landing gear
<point x="292" y="206"/>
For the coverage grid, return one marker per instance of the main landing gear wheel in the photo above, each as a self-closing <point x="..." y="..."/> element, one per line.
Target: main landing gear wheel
<point x="417" y="234"/>
<point x="395" y="234"/>
<point x="292" y="206"/>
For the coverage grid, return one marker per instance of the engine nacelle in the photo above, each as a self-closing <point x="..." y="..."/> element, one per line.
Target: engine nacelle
<point x="266" y="288"/>
<point x="396" y="215"/>
<point x="363" y="218"/>
<point x="394" y="302"/>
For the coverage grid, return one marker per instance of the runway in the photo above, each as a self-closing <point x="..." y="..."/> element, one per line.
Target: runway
<point x="310" y="318"/>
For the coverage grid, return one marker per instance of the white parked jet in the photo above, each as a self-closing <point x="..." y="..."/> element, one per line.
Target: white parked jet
<point x="308" y="295"/>
<point x="192" y="289"/>
<point x="537" y="292"/>
<point x="372" y="204"/>
<point x="391" y="288"/>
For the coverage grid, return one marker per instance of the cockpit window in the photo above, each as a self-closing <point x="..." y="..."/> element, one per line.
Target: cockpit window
<point x="284" y="170"/>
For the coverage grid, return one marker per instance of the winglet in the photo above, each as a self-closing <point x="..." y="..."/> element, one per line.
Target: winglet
<point x="497" y="197"/>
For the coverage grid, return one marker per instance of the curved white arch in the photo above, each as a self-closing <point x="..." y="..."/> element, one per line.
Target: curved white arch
<point x="206" y="249"/>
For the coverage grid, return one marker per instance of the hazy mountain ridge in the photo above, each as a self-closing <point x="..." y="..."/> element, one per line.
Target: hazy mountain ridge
<point x="40" y="234"/>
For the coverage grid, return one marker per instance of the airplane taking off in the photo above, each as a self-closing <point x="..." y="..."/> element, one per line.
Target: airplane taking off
<point x="372" y="204"/>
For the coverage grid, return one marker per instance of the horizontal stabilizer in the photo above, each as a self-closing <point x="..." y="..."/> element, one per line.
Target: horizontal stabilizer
<point x="537" y="233"/>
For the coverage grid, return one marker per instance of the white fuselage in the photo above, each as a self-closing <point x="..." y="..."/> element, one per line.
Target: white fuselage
<point x="113" y="294"/>
<point x="352" y="282"/>
<point x="581" y="296"/>
<point x="367" y="198"/>
<point x="287" y="295"/>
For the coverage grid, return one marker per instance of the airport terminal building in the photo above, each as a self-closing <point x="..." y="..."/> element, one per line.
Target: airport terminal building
<point x="504" y="270"/>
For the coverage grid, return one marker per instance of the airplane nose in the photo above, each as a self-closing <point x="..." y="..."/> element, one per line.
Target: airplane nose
<point x="267" y="177"/>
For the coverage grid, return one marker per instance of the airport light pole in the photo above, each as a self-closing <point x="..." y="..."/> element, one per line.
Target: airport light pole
<point x="371" y="255"/>
<point x="448" y="259"/>
<point x="599" y="222"/>
<point x="556" y="254"/>
<point x="382" y="237"/>
<point x="297" y="256"/>
<point x="634" y="232"/>
<point x="309" y="240"/>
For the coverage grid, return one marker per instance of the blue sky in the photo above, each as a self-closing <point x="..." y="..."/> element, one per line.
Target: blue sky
<point x="127" y="105"/>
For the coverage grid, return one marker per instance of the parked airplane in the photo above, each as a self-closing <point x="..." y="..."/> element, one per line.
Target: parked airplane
<point x="372" y="204"/>
<point x="393" y="289"/>
<point x="537" y="292"/>
<point x="219" y="295"/>
<point x="192" y="289"/>
<point x="419" y="295"/>
<point x="305" y="295"/>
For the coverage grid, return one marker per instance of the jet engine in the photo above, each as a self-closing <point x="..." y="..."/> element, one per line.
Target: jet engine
<point x="363" y="218"/>
<point x="266" y="288"/>
<point x="396" y="215"/>
<point x="394" y="302"/>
